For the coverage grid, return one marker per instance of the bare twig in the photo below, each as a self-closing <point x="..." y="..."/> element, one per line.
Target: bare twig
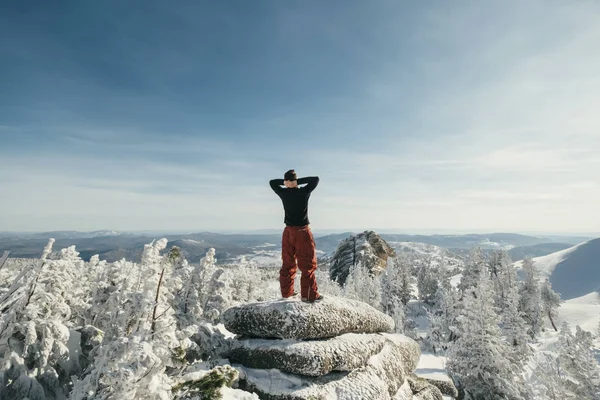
<point x="162" y="273"/>
<point x="163" y="313"/>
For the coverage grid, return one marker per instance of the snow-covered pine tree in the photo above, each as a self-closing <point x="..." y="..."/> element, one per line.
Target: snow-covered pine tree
<point x="530" y="303"/>
<point x="195" y="292"/>
<point x="428" y="280"/>
<point x="361" y="285"/>
<point x="577" y="361"/>
<point x="503" y="275"/>
<point x="474" y="266"/>
<point x="506" y="287"/>
<point x="513" y="323"/>
<point x="396" y="283"/>
<point x="550" y="302"/>
<point x="442" y="317"/>
<point x="35" y="325"/>
<point x="132" y="365"/>
<point x="478" y="360"/>
<point x="548" y="381"/>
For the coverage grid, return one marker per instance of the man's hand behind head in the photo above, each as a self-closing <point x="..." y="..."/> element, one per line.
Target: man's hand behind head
<point x="291" y="184"/>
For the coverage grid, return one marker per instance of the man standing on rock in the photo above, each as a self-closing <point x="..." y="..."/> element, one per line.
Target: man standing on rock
<point x="297" y="242"/>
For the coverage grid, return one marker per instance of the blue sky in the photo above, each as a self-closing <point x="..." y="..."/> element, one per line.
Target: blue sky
<point x="415" y="115"/>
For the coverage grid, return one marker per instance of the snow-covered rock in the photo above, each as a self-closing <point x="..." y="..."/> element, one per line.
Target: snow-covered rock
<point x="423" y="390"/>
<point x="367" y="248"/>
<point x="293" y="319"/>
<point x="317" y="357"/>
<point x="381" y="378"/>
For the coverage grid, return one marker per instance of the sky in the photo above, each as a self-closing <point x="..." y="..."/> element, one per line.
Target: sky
<point x="153" y="115"/>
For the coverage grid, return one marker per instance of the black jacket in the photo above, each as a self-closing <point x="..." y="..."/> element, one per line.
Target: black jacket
<point x="295" y="200"/>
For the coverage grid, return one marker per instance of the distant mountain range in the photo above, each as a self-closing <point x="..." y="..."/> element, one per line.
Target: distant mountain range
<point x="112" y="245"/>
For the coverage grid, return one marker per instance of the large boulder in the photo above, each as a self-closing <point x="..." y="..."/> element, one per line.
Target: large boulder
<point x="367" y="248"/>
<point x="319" y="357"/>
<point x="381" y="378"/>
<point x="293" y="319"/>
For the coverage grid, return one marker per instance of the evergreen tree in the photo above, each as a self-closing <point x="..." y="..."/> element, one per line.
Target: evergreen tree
<point x="479" y="359"/>
<point x="474" y="267"/>
<point x="396" y="283"/>
<point x="35" y="323"/>
<point x="577" y="360"/>
<point x="550" y="302"/>
<point x="504" y="275"/>
<point x="548" y="380"/>
<point x="443" y="316"/>
<point x="132" y="365"/>
<point x="530" y="303"/>
<point x="428" y="281"/>
<point x="361" y="285"/>
<point x="514" y="326"/>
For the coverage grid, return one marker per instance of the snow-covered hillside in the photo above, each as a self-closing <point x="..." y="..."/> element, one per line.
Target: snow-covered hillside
<point x="421" y="252"/>
<point x="573" y="272"/>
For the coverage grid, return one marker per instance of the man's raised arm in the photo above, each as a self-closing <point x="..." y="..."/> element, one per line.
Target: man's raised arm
<point x="311" y="182"/>
<point x="276" y="185"/>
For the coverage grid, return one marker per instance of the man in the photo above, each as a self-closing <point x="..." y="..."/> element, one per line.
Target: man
<point x="297" y="242"/>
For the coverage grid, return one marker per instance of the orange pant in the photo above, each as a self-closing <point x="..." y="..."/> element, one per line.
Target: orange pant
<point x="298" y="244"/>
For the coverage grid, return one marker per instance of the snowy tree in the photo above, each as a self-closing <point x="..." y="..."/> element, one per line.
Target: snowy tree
<point x="504" y="275"/>
<point x="478" y="359"/>
<point x="428" y="281"/>
<point x="506" y="287"/>
<point x="132" y="365"/>
<point x="36" y="319"/>
<point x="396" y="283"/>
<point x="195" y="292"/>
<point x="577" y="360"/>
<point x="548" y="380"/>
<point x="550" y="302"/>
<point x="363" y="286"/>
<point x="442" y="317"/>
<point x="530" y="303"/>
<point x="474" y="267"/>
<point x="514" y="325"/>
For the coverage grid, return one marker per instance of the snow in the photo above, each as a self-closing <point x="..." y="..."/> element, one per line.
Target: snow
<point x="315" y="357"/>
<point x="191" y="241"/>
<point x="546" y="264"/>
<point x="236" y="394"/>
<point x="432" y="366"/>
<point x="583" y="311"/>
<point x="455" y="280"/>
<point x="290" y="318"/>
<point x="221" y="328"/>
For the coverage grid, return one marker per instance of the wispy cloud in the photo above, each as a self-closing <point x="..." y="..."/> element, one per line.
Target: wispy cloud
<point x="475" y="116"/>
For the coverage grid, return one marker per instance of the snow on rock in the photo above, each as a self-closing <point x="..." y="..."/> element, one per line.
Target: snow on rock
<point x="367" y="247"/>
<point x="381" y="378"/>
<point x="423" y="390"/>
<point x="314" y="358"/>
<point x="318" y="357"/>
<point x="404" y="393"/>
<point x="237" y="394"/>
<point x="293" y="319"/>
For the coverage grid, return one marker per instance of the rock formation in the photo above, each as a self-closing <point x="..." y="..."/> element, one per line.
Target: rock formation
<point x="292" y="319"/>
<point x="367" y="248"/>
<point x="336" y="348"/>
